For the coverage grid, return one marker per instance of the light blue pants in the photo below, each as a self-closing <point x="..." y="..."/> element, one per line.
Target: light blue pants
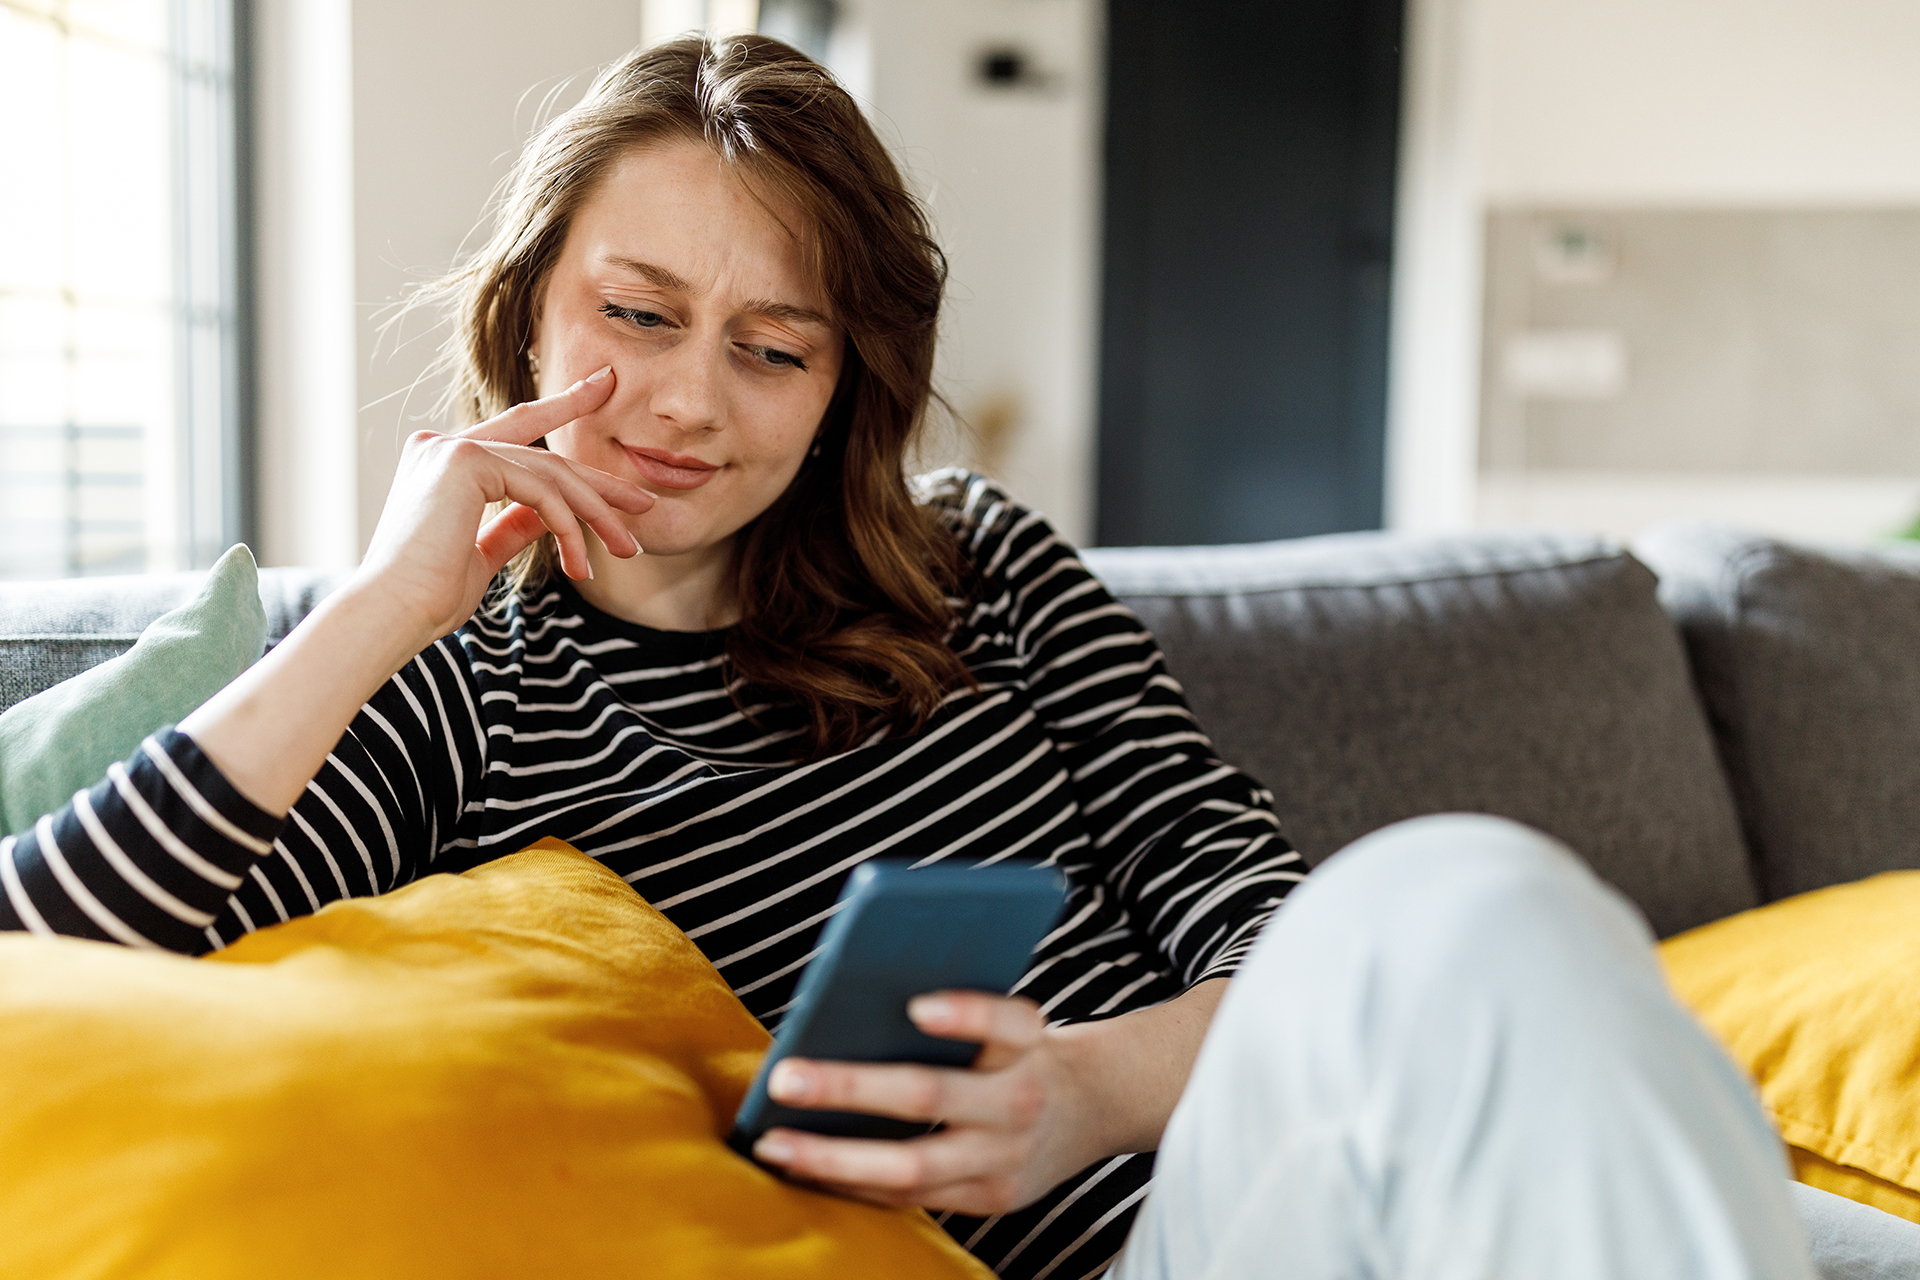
<point x="1453" y="1054"/>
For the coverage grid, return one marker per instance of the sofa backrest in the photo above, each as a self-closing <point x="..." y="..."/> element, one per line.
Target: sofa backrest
<point x="1364" y="678"/>
<point x="1367" y="678"/>
<point x="1809" y="663"/>
<point x="52" y="630"/>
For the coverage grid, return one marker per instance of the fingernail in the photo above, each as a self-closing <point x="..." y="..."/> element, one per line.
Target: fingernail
<point x="790" y="1083"/>
<point x="601" y="374"/>
<point x="934" y="1009"/>
<point x="773" y="1150"/>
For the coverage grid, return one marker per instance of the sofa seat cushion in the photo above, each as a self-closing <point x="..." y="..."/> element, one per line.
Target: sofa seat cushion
<point x="1815" y="997"/>
<point x="1367" y="678"/>
<point x="520" y="1071"/>
<point x="1809" y="662"/>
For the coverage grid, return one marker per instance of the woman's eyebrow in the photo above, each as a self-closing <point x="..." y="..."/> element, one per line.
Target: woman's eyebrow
<point x="665" y="279"/>
<point x="659" y="276"/>
<point x="786" y="311"/>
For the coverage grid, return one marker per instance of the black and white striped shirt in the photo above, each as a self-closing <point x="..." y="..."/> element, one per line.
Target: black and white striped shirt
<point x="550" y="718"/>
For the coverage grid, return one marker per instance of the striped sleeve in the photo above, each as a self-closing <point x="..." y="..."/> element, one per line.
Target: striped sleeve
<point x="148" y="857"/>
<point x="165" y="853"/>
<point x="385" y="803"/>
<point x="1188" y="843"/>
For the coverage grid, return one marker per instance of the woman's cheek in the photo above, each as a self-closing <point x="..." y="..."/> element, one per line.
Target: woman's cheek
<point x="586" y="440"/>
<point x="566" y="441"/>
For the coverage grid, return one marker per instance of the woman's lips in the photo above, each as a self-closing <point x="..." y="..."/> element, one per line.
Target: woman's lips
<point x="671" y="470"/>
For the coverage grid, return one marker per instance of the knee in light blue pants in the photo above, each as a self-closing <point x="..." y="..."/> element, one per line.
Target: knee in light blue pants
<point x="1453" y="1054"/>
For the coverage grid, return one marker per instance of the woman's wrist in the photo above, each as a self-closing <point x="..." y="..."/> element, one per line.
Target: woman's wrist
<point x="1105" y="1125"/>
<point x="1128" y="1072"/>
<point x="383" y="617"/>
<point x="1114" y="1118"/>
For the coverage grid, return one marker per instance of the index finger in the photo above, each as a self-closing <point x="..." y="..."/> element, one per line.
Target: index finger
<point x="526" y="422"/>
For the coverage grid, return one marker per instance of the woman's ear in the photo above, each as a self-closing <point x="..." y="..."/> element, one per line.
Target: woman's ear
<point x="531" y="353"/>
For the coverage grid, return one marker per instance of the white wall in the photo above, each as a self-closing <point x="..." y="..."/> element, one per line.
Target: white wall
<point x="1433" y="350"/>
<point x="304" y="243"/>
<point x="1775" y="102"/>
<point x="1011" y="177"/>
<point x="1624" y="103"/>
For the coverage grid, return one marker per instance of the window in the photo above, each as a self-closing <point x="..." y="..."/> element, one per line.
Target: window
<point x="121" y="339"/>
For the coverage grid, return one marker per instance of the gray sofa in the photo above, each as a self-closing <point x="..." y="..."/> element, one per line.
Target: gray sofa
<point x="1713" y="720"/>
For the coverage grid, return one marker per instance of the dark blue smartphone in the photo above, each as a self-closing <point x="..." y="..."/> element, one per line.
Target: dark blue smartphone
<point x="902" y="932"/>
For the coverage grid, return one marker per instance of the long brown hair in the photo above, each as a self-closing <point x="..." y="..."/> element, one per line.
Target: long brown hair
<point x="844" y="583"/>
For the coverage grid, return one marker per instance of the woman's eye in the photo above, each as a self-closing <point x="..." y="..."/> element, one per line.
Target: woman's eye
<point x="645" y="319"/>
<point x="777" y="358"/>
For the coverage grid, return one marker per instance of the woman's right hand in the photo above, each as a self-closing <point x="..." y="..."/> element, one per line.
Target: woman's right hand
<point x="426" y="572"/>
<point x="434" y="552"/>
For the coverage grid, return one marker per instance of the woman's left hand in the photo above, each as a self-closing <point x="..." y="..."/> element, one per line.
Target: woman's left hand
<point x="1017" y="1122"/>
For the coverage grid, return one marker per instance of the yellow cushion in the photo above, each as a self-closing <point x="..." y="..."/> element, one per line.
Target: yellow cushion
<point x="1818" y="997"/>
<point x="523" y="1071"/>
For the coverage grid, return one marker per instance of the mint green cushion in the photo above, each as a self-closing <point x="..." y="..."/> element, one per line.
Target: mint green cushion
<point x="61" y="741"/>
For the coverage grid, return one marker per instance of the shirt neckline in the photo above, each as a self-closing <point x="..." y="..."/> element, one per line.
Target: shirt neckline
<point x="683" y="646"/>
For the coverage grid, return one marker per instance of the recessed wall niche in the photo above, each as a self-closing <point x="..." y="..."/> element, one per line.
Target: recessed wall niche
<point x="1752" y="342"/>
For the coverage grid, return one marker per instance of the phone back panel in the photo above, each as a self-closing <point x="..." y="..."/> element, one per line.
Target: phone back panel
<point x="902" y="933"/>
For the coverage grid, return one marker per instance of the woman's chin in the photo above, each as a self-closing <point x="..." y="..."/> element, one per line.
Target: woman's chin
<point x="670" y="537"/>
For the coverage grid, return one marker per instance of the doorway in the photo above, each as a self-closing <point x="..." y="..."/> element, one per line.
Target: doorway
<point x="1250" y="162"/>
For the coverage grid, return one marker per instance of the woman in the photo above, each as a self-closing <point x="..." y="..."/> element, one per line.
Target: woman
<point x="705" y="326"/>
<point x="714" y="301"/>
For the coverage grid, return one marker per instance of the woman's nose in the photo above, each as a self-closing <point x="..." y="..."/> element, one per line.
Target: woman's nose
<point x="686" y="385"/>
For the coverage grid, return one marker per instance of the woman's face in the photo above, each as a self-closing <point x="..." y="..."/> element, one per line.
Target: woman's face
<point x="722" y="345"/>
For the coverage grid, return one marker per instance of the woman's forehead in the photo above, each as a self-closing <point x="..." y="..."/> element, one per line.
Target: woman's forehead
<point x="680" y="216"/>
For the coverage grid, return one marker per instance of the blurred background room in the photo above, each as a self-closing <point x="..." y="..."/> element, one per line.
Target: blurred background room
<point x="1221" y="271"/>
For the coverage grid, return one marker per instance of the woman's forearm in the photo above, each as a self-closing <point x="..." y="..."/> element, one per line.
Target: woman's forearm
<point x="1131" y="1069"/>
<point x="270" y="730"/>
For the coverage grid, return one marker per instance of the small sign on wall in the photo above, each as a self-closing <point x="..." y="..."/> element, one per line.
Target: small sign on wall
<point x="1565" y="364"/>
